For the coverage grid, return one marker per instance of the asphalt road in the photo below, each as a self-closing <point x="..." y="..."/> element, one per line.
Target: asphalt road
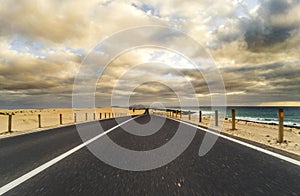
<point x="228" y="169"/>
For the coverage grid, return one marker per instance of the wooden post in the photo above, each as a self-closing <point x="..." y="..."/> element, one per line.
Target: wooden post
<point x="180" y="114"/>
<point x="280" y="123"/>
<point x="105" y="115"/>
<point x="176" y="113"/>
<point x="9" y="123"/>
<point x="39" y="119"/>
<point x="100" y="115"/>
<point x="60" y="119"/>
<point x="233" y="119"/>
<point x="75" y="120"/>
<point x="216" y="118"/>
<point x="189" y="115"/>
<point x="200" y="116"/>
<point x="108" y="115"/>
<point x="86" y="116"/>
<point x="94" y="116"/>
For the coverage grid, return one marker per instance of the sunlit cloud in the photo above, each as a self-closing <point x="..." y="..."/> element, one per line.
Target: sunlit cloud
<point x="255" y="45"/>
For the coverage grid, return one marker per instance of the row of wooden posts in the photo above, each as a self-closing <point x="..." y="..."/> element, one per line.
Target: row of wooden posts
<point x="105" y="115"/>
<point x="172" y="114"/>
<point x="233" y="120"/>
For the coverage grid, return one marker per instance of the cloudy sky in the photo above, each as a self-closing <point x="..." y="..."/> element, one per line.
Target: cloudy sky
<point x="255" y="46"/>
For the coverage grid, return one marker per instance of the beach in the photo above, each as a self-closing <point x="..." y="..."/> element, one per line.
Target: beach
<point x="258" y="132"/>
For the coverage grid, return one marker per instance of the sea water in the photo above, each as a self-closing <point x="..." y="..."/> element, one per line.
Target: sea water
<point x="268" y="115"/>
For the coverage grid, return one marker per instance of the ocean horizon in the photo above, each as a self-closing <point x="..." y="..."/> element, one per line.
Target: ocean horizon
<point x="259" y="114"/>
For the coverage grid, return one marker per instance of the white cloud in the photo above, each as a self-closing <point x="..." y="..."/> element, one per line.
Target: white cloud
<point x="242" y="36"/>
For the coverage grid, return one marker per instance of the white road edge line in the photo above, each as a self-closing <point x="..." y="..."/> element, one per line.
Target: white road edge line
<point x="39" y="169"/>
<point x="268" y="152"/>
<point x="59" y="126"/>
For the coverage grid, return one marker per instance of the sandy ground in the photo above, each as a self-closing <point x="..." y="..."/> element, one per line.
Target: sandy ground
<point x="26" y="120"/>
<point x="261" y="133"/>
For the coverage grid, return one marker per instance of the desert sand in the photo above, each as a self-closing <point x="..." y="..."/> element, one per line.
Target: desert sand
<point x="26" y="120"/>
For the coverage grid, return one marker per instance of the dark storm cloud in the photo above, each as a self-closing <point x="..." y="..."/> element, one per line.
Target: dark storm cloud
<point x="272" y="27"/>
<point x="265" y="30"/>
<point x="13" y="85"/>
<point x="249" y="68"/>
<point x="268" y="81"/>
<point x="289" y="71"/>
<point x="277" y="6"/>
<point x="258" y="37"/>
<point x="18" y="75"/>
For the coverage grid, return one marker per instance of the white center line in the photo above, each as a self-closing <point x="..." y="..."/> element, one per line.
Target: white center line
<point x="268" y="152"/>
<point x="41" y="168"/>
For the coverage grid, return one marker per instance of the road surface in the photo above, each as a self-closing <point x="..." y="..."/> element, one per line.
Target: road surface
<point x="228" y="169"/>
